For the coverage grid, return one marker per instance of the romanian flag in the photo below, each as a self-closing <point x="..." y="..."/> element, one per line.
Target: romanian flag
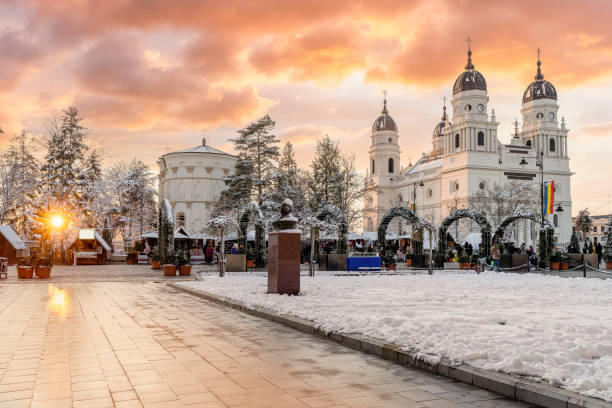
<point x="549" y="196"/>
<point x="412" y="207"/>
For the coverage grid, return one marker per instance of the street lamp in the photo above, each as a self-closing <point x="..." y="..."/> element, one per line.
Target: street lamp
<point x="540" y="163"/>
<point x="559" y="209"/>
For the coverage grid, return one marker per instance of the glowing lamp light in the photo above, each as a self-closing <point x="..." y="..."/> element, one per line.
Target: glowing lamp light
<point x="57" y="221"/>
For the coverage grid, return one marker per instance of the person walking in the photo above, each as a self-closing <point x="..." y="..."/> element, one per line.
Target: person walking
<point x="599" y="251"/>
<point x="495" y="256"/>
<point x="208" y="254"/>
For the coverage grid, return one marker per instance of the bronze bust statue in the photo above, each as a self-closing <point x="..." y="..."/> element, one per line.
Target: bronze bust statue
<point x="286" y="221"/>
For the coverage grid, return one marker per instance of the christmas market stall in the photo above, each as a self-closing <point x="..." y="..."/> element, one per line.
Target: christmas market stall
<point x="11" y="246"/>
<point x="89" y="249"/>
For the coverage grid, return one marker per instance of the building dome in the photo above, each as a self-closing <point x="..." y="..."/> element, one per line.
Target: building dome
<point x="469" y="79"/>
<point x="440" y="127"/>
<point x="384" y="121"/>
<point x="540" y="88"/>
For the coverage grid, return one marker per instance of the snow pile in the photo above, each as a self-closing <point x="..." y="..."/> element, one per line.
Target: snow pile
<point x="556" y="329"/>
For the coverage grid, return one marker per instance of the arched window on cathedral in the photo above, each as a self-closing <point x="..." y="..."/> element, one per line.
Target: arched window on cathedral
<point x="391" y="165"/>
<point x="180" y="220"/>
<point x="373" y="167"/>
<point x="480" y="139"/>
<point x="556" y="220"/>
<point x="528" y="143"/>
<point x="552" y="145"/>
<point x="457" y="142"/>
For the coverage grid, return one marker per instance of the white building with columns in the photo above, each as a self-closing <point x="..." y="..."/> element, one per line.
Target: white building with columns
<point x="192" y="180"/>
<point x="467" y="158"/>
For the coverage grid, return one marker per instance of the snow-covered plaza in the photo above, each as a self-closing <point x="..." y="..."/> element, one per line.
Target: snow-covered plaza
<point x="552" y="329"/>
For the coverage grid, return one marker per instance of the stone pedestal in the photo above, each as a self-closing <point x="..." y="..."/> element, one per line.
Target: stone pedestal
<point x="284" y="262"/>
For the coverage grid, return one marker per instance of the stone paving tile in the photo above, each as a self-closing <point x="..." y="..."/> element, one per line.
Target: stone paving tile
<point x="93" y="343"/>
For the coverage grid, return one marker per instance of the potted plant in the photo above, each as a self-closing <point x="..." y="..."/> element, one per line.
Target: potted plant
<point x="43" y="267"/>
<point x="250" y="256"/>
<point x="183" y="260"/>
<point x="155" y="257"/>
<point x="555" y="261"/>
<point x="409" y="258"/>
<point x="24" y="268"/>
<point x="465" y="261"/>
<point x="131" y="258"/>
<point x="608" y="260"/>
<point x="389" y="259"/>
<point x="451" y="255"/>
<point x="170" y="266"/>
<point x="564" y="261"/>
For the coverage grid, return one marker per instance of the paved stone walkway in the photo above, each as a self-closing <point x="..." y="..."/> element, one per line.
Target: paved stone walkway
<point x="143" y="344"/>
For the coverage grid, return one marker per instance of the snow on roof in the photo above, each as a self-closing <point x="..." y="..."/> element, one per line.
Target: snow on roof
<point x="101" y="241"/>
<point x="425" y="165"/>
<point x="199" y="149"/>
<point x="11" y="236"/>
<point x="149" y="235"/>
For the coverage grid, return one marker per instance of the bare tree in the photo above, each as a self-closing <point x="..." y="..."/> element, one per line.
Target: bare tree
<point x="584" y="223"/>
<point x="499" y="201"/>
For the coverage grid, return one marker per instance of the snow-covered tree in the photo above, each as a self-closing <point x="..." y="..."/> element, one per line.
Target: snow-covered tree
<point x="165" y="233"/>
<point x="93" y="191"/>
<point x="258" y="154"/>
<point x="584" y="223"/>
<point x="64" y="167"/>
<point x="289" y="182"/>
<point x="219" y="227"/>
<point x="326" y="174"/>
<point x="135" y="211"/>
<point x="19" y="182"/>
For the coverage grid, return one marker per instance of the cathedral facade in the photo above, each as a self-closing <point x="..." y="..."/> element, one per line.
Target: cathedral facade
<point x="468" y="165"/>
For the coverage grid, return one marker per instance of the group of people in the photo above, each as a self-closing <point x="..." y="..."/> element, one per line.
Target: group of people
<point x="588" y="248"/>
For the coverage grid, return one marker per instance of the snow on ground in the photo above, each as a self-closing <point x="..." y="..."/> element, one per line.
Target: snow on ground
<point x="556" y="329"/>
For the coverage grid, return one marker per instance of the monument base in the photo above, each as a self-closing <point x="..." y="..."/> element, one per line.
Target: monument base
<point x="284" y="262"/>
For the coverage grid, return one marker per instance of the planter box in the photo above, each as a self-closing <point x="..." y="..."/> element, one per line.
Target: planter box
<point x="554" y="266"/>
<point x="505" y="261"/>
<point x="608" y="265"/>
<point x="451" y="265"/>
<point x="169" y="270"/>
<point x="564" y="266"/>
<point x="43" y="272"/>
<point x="184" y="270"/>
<point x="155" y="264"/>
<point x="332" y="262"/>
<point x="465" y="265"/>
<point x="236" y="263"/>
<point x="591" y="260"/>
<point x="418" y="261"/>
<point x="574" y="260"/>
<point x="520" y="259"/>
<point x="409" y="262"/>
<point x="250" y="263"/>
<point x="24" y="272"/>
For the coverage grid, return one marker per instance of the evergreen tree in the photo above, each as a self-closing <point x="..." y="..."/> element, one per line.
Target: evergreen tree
<point x="584" y="222"/>
<point x="136" y="197"/>
<point x="326" y="174"/>
<point x="288" y="181"/>
<point x="19" y="171"/>
<point x="255" y="168"/>
<point x="93" y="191"/>
<point x="63" y="170"/>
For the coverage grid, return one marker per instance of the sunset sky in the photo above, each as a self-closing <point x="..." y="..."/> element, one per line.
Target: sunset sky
<point x="150" y="76"/>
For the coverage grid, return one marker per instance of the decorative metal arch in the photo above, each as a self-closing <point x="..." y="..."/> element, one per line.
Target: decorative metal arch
<point x="409" y="216"/>
<point x="545" y="245"/>
<point x="485" y="229"/>
<point x="252" y="213"/>
<point x="333" y="212"/>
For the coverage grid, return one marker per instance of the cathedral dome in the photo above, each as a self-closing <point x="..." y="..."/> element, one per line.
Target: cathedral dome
<point x="540" y="88"/>
<point x="384" y="121"/>
<point x="440" y="127"/>
<point x="469" y="79"/>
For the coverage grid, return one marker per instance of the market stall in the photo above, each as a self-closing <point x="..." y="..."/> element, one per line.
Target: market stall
<point x="89" y="249"/>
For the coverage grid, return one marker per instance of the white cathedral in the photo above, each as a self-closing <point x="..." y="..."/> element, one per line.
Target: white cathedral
<point x="467" y="157"/>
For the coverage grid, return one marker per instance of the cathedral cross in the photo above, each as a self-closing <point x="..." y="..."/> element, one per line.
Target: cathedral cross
<point x="469" y="41"/>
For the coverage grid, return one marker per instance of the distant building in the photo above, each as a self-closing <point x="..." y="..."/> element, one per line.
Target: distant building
<point x="599" y="228"/>
<point x="467" y="158"/>
<point x="192" y="180"/>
